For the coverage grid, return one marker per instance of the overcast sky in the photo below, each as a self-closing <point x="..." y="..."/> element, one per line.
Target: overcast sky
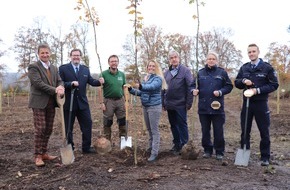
<point x="252" y="21"/>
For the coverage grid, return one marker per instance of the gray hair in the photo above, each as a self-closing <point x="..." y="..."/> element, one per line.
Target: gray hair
<point x="214" y="54"/>
<point x="172" y="52"/>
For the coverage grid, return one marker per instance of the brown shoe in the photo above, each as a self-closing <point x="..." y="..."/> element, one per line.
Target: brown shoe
<point x="38" y="161"/>
<point x="48" y="157"/>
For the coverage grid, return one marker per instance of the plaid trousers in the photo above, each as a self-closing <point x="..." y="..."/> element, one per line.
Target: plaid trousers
<point x="43" y="124"/>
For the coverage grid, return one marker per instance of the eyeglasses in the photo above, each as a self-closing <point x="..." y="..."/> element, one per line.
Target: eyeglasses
<point x="76" y="55"/>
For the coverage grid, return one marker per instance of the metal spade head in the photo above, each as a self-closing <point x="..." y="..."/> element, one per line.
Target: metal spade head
<point x="242" y="157"/>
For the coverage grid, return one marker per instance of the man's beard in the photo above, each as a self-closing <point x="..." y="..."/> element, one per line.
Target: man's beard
<point x="114" y="68"/>
<point x="75" y="62"/>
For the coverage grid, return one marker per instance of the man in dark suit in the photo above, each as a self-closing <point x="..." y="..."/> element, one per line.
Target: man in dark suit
<point x="77" y="76"/>
<point x="45" y="85"/>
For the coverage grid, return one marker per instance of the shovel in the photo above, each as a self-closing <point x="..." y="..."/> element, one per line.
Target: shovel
<point x="243" y="155"/>
<point x="125" y="140"/>
<point x="66" y="152"/>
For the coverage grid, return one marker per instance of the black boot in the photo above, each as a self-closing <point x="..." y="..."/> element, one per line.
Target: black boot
<point x="122" y="131"/>
<point x="107" y="133"/>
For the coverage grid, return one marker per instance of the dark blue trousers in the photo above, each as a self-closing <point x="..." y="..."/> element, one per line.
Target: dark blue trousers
<point x="85" y="121"/>
<point x="259" y="110"/>
<point x="217" y="121"/>
<point x="178" y="123"/>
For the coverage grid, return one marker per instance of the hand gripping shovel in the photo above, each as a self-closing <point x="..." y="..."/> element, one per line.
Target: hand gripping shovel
<point x="66" y="152"/>
<point x="125" y="140"/>
<point x="243" y="155"/>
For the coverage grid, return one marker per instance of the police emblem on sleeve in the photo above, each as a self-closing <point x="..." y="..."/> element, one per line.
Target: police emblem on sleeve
<point x="215" y="105"/>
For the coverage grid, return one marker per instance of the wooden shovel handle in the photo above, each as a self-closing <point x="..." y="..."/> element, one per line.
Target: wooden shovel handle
<point x="62" y="124"/>
<point x="60" y="102"/>
<point x="126" y="93"/>
<point x="100" y="94"/>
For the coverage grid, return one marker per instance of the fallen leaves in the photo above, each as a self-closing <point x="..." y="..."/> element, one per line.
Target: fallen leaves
<point x="19" y="174"/>
<point x="151" y="176"/>
<point x="270" y="169"/>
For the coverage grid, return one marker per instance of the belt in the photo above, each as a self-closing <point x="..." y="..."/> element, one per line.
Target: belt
<point x="114" y="98"/>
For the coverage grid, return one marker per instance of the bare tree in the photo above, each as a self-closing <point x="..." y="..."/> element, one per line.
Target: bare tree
<point x="279" y="57"/>
<point x="155" y="45"/>
<point x="150" y="42"/>
<point x="57" y="50"/>
<point x="2" y="65"/>
<point x="25" y="46"/>
<point x="27" y="39"/>
<point x="218" y="40"/>
<point x="79" y="37"/>
<point x="129" y="50"/>
<point x="130" y="59"/>
<point x="58" y="42"/>
<point x="180" y="43"/>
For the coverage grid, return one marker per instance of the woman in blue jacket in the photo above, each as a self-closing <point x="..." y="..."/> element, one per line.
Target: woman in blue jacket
<point x="212" y="84"/>
<point x="150" y="92"/>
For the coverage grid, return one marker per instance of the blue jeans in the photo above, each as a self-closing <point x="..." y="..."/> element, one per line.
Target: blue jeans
<point x="178" y="122"/>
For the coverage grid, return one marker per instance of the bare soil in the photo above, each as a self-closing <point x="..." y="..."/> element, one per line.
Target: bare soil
<point x="128" y="168"/>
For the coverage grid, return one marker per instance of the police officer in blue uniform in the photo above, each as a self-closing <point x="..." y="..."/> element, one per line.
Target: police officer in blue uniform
<point x="212" y="84"/>
<point x="260" y="77"/>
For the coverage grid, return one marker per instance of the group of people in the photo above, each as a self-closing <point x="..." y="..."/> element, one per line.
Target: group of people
<point x="172" y="91"/>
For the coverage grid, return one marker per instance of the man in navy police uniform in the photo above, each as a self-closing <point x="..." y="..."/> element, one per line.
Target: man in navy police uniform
<point x="260" y="77"/>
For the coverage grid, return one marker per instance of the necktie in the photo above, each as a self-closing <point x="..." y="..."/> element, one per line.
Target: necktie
<point x="48" y="75"/>
<point x="77" y="71"/>
<point x="253" y="66"/>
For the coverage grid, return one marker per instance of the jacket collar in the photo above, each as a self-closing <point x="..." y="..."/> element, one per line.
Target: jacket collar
<point x="210" y="68"/>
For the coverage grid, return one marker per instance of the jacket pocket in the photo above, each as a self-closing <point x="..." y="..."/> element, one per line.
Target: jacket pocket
<point x="202" y="105"/>
<point x="145" y="98"/>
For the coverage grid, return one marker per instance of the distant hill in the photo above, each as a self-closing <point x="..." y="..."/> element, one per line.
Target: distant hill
<point x="13" y="80"/>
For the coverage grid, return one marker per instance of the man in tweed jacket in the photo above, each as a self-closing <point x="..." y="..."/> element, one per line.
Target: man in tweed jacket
<point x="46" y="84"/>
